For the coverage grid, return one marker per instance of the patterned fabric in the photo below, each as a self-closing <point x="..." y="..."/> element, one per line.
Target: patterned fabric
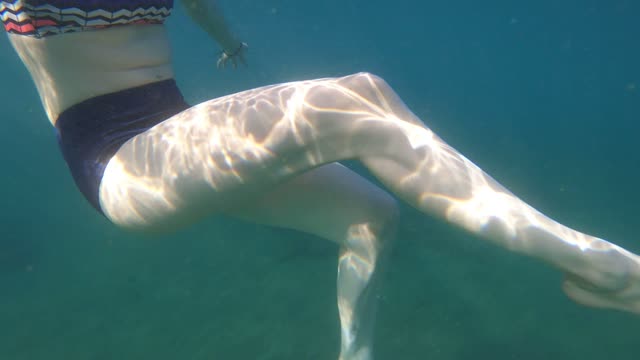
<point x="51" y="17"/>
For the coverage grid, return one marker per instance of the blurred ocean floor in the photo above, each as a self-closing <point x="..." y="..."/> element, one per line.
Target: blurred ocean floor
<point x="543" y="96"/>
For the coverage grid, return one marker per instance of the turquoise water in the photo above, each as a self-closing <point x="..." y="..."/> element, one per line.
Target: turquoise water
<point x="543" y="95"/>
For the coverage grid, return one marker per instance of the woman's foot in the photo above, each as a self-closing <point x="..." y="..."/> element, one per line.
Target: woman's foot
<point x="613" y="283"/>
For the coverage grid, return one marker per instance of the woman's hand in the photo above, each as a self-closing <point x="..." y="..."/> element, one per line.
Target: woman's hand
<point x="234" y="56"/>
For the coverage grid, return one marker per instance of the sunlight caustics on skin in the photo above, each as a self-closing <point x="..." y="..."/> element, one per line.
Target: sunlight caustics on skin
<point x="357" y="284"/>
<point x="232" y="149"/>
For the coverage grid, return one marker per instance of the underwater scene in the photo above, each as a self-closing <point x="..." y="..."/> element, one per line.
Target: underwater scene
<point x="543" y="95"/>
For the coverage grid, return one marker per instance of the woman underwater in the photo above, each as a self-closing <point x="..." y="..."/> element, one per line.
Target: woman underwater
<point x="150" y="162"/>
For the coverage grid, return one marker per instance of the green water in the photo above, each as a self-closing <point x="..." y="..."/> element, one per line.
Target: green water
<point x="543" y="96"/>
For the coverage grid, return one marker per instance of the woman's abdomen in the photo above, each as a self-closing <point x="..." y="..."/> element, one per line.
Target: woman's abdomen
<point x="70" y="68"/>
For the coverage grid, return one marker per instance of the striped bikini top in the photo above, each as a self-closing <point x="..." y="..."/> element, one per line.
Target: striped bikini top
<point x="40" y="18"/>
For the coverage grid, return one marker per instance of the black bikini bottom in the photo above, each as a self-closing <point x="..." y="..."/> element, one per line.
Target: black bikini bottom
<point x="91" y="132"/>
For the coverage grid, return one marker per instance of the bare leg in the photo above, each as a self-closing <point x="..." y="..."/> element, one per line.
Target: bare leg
<point x="335" y="203"/>
<point x="237" y="147"/>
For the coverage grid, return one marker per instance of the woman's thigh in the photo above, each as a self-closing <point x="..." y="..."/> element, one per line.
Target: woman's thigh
<point x="327" y="201"/>
<point x="196" y="163"/>
<point x="225" y="151"/>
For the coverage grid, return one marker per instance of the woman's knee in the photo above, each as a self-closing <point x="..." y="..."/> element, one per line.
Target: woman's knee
<point x="377" y="95"/>
<point x="382" y="219"/>
<point x="363" y="80"/>
<point x="389" y="215"/>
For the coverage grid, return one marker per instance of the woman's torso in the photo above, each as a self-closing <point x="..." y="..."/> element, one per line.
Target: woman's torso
<point x="69" y="67"/>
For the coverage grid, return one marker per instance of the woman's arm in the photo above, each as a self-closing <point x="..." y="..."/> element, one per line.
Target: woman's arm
<point x="208" y="15"/>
